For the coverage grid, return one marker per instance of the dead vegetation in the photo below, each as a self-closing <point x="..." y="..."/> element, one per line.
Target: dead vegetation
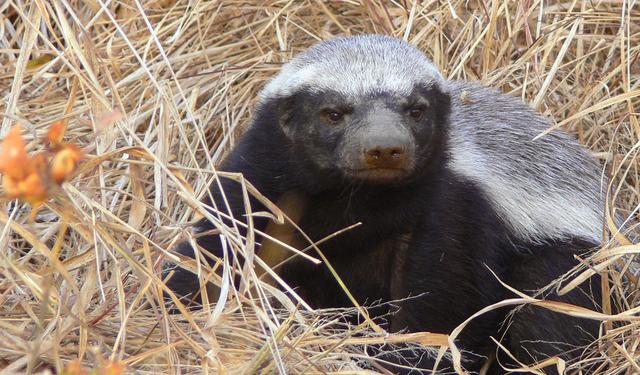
<point x="82" y="280"/>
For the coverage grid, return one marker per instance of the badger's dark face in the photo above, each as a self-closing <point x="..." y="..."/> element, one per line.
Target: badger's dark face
<point x="374" y="138"/>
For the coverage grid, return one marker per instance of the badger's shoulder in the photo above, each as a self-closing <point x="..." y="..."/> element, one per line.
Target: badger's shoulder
<point x="545" y="188"/>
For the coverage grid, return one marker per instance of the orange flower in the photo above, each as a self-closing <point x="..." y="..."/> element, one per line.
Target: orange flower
<point x="14" y="161"/>
<point x="55" y="134"/>
<point x="113" y="368"/>
<point x="64" y="162"/>
<point x="30" y="178"/>
<point x="74" y="368"/>
<point x="31" y="189"/>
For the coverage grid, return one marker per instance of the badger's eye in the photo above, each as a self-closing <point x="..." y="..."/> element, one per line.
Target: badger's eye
<point x="333" y="116"/>
<point x="416" y="112"/>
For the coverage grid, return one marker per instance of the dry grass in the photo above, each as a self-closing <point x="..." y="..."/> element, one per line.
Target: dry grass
<point x="83" y="280"/>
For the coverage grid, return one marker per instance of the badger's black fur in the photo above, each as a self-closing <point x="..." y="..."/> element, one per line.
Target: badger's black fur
<point x="432" y="231"/>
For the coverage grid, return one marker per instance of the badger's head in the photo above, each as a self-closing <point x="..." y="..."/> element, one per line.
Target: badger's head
<point x="366" y="108"/>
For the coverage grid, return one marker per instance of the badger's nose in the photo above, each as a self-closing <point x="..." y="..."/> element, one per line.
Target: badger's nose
<point x="387" y="155"/>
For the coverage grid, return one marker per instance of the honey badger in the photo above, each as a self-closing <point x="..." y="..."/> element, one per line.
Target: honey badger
<point x="448" y="182"/>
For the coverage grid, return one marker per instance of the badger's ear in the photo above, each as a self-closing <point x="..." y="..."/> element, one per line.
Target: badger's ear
<point x="285" y="113"/>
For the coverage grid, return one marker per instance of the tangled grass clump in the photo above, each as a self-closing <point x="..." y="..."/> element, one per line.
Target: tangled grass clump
<point x="81" y="279"/>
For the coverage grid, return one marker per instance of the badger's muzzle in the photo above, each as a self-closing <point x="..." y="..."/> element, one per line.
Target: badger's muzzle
<point x="386" y="153"/>
<point x="382" y="149"/>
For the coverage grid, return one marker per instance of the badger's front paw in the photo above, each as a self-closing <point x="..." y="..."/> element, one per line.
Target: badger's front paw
<point x="183" y="283"/>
